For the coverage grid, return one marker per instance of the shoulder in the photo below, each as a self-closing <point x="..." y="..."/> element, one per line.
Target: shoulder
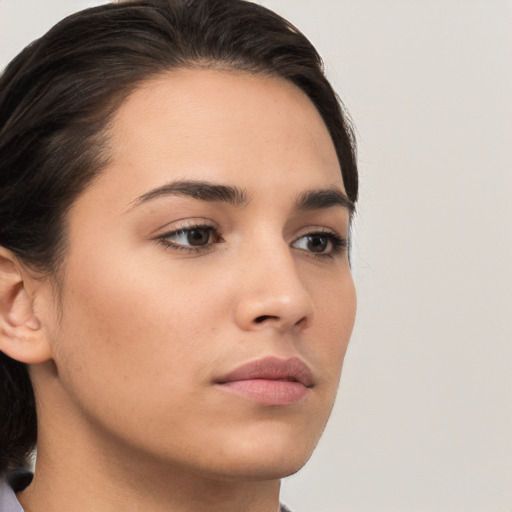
<point x="10" y="483"/>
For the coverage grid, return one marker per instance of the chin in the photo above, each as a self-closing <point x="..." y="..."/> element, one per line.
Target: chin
<point x="267" y="447"/>
<point x="269" y="458"/>
<point x="256" y="471"/>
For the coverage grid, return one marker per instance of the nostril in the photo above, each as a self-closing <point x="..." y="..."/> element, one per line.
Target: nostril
<point x="262" y="318"/>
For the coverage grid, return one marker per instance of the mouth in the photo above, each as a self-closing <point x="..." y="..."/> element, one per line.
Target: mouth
<point x="270" y="381"/>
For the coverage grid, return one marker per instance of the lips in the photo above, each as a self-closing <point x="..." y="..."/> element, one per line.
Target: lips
<point x="270" y="381"/>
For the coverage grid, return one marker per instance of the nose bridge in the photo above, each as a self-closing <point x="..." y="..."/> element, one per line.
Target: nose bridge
<point x="272" y="292"/>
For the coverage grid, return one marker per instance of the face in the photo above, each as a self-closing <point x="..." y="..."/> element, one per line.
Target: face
<point x="207" y="300"/>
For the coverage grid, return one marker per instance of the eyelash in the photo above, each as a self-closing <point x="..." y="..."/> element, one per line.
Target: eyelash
<point x="164" y="239"/>
<point x="337" y="243"/>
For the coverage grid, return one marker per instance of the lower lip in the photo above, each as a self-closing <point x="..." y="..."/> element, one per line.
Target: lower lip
<point x="268" y="392"/>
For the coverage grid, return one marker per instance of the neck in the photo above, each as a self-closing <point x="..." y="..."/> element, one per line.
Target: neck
<point x="97" y="482"/>
<point x="79" y="468"/>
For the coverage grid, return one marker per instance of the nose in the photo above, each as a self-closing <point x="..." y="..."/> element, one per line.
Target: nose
<point x="272" y="293"/>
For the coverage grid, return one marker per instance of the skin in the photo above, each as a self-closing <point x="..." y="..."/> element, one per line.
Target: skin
<point x="125" y="369"/>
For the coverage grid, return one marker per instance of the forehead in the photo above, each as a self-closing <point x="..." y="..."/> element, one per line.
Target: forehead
<point x="225" y="125"/>
<point x="224" y="115"/>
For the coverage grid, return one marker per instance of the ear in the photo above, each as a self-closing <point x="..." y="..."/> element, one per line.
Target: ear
<point x="21" y="334"/>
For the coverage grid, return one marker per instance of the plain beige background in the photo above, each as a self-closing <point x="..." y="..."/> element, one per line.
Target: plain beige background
<point x="424" y="417"/>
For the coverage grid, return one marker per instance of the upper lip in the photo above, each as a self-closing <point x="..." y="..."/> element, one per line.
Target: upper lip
<point x="271" y="368"/>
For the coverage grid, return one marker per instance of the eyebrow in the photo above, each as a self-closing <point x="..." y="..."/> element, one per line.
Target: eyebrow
<point x="205" y="191"/>
<point x="324" y="198"/>
<point x="201" y="190"/>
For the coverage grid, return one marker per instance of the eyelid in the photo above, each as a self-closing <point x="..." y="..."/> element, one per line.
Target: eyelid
<point x="319" y="230"/>
<point x="189" y="225"/>
<point x="338" y="242"/>
<point x="183" y="223"/>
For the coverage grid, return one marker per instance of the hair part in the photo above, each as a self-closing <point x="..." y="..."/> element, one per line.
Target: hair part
<point x="58" y="96"/>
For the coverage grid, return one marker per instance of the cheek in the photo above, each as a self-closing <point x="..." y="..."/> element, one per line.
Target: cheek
<point x="129" y="330"/>
<point x="334" y="320"/>
<point x="342" y="310"/>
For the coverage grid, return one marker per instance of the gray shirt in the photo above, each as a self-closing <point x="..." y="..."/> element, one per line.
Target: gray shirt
<point x="8" y="500"/>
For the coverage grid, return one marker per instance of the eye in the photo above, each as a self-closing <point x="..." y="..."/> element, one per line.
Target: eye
<point x="192" y="238"/>
<point x="322" y="244"/>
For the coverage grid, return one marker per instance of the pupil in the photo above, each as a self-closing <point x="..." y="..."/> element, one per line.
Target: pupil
<point x="198" y="237"/>
<point x="317" y="243"/>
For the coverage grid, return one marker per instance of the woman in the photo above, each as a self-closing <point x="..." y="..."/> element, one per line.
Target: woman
<point x="177" y="182"/>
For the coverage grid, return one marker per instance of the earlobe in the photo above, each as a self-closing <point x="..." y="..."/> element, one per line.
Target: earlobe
<point x="21" y="334"/>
